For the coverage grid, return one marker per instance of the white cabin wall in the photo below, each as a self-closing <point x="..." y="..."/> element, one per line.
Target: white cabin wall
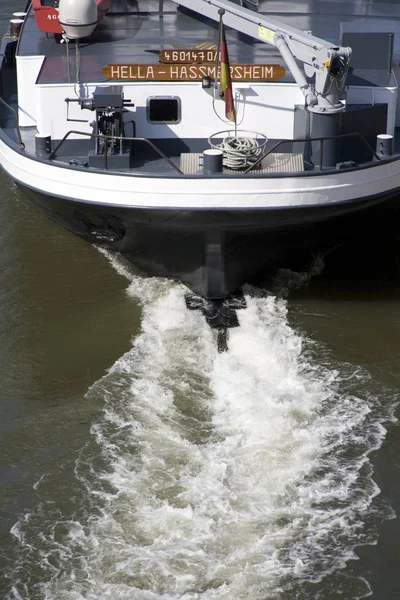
<point x="53" y="111"/>
<point x="28" y="68"/>
<point x="267" y="109"/>
<point x="259" y="107"/>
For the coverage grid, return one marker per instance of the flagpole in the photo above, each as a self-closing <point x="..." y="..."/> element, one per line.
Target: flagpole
<point x="221" y="13"/>
<point x="224" y="76"/>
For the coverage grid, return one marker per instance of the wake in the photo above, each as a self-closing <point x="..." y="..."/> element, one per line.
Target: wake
<point x="240" y="475"/>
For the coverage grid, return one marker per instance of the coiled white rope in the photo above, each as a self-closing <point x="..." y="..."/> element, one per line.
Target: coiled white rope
<point x="239" y="152"/>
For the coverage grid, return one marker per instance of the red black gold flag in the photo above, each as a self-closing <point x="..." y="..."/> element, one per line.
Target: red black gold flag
<point x="225" y="81"/>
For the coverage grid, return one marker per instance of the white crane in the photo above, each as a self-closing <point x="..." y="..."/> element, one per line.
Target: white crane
<point x="323" y="68"/>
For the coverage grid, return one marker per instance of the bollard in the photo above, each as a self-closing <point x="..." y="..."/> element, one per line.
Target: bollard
<point x="42" y="145"/>
<point x="15" y="27"/>
<point x="212" y="161"/>
<point x="384" y="145"/>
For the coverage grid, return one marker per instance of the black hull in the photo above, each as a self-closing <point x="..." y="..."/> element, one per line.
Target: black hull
<point x="215" y="252"/>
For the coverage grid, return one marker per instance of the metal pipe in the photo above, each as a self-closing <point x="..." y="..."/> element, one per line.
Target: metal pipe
<point x="113" y="137"/>
<point x="21" y="143"/>
<point x="314" y="139"/>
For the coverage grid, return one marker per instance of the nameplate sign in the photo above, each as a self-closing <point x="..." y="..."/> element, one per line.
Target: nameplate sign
<point x="179" y="72"/>
<point x="188" y="55"/>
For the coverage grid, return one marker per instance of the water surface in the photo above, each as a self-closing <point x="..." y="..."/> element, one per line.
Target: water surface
<point x="137" y="462"/>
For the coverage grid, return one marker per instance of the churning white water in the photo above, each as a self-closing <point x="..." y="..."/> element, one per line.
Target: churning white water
<point x="228" y="476"/>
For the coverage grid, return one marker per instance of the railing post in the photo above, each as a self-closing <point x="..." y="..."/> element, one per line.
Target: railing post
<point x="105" y="153"/>
<point x="321" y="154"/>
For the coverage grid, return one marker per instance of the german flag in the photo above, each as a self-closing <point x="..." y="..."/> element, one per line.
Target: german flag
<point x="225" y="81"/>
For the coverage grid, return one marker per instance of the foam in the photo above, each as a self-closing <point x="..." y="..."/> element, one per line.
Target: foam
<point x="221" y="476"/>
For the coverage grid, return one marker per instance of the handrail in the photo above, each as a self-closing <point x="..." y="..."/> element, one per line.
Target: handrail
<point x="53" y="154"/>
<point x="321" y="140"/>
<point x="21" y="143"/>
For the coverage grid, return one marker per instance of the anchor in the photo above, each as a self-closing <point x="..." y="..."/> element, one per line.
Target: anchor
<point x="219" y="314"/>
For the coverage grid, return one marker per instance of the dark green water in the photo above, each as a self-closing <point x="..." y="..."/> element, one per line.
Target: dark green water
<point x="137" y="463"/>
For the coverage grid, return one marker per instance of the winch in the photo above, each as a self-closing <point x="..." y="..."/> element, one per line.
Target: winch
<point x="108" y="149"/>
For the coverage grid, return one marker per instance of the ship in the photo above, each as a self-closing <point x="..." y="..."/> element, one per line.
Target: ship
<point x="207" y="141"/>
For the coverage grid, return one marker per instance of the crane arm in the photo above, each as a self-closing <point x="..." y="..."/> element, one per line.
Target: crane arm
<point x="323" y="68"/>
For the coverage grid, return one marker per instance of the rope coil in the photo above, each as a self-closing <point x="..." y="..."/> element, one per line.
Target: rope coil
<point x="240" y="151"/>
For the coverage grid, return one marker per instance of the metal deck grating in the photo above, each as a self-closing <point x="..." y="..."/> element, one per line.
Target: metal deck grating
<point x="279" y="162"/>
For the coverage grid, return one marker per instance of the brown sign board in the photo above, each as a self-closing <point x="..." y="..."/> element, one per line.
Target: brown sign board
<point x="190" y="72"/>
